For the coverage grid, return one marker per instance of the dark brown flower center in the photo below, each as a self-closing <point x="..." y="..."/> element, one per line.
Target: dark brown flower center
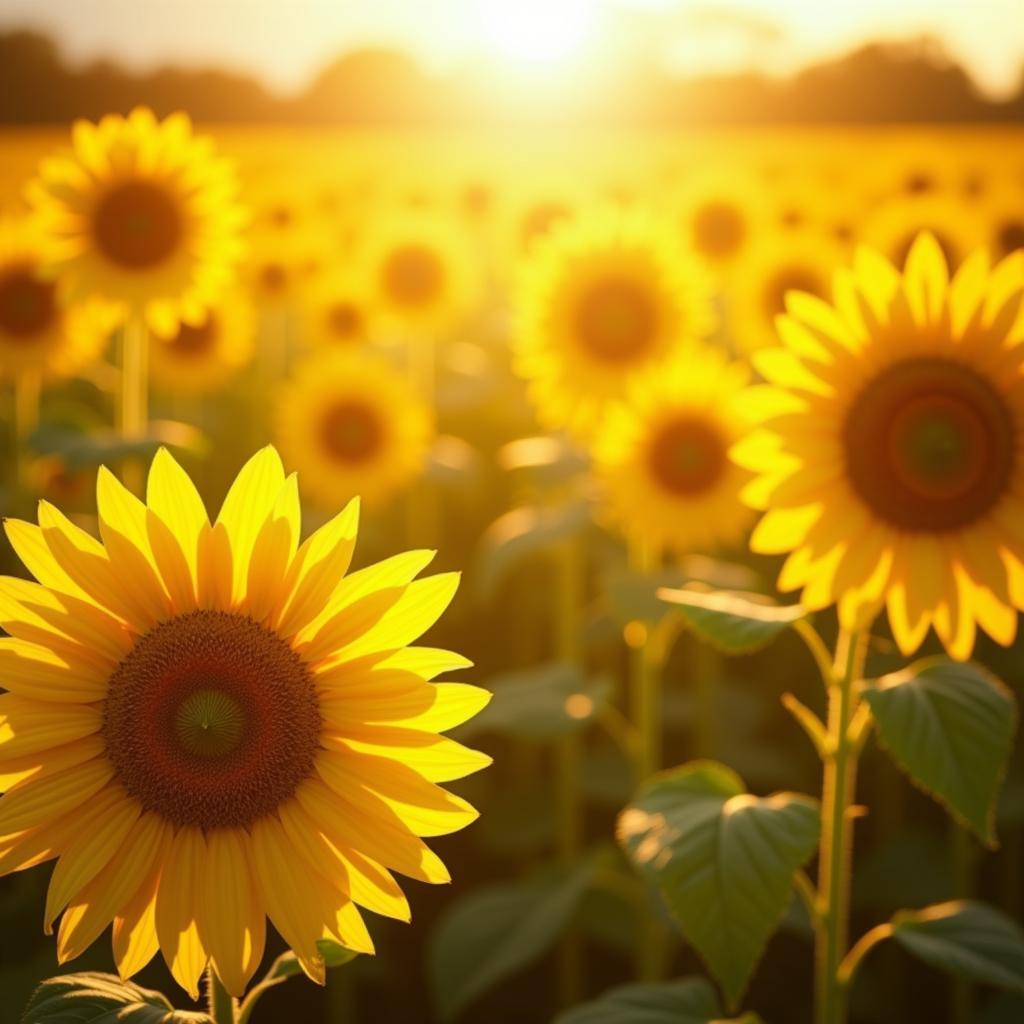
<point x="273" y="277"/>
<point x="344" y="320"/>
<point x="718" y="229"/>
<point x="616" y="319"/>
<point x="687" y="456"/>
<point x="211" y="720"/>
<point x="413" y="275"/>
<point x="351" y="431"/>
<point x="28" y="306"/>
<point x="137" y="225"/>
<point x="930" y="445"/>
<point x="194" y="341"/>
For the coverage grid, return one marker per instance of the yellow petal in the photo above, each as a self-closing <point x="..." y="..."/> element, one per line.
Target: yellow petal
<point x="42" y="674"/>
<point x="173" y="497"/>
<point x="27" y="726"/>
<point x="272" y="552"/>
<point x="231" y="921"/>
<point x="284" y="884"/>
<point x="111" y="815"/>
<point x="45" y="762"/>
<point x="30" y="546"/>
<point x="177" y="904"/>
<point x="383" y="789"/>
<point x="319" y="565"/>
<point x="436" y="758"/>
<point x="249" y="501"/>
<point x="37" y="800"/>
<point x="96" y="905"/>
<point x="134" y="934"/>
<point x="399" y="699"/>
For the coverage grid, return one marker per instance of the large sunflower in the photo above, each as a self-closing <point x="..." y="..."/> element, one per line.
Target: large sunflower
<point x="889" y="455"/>
<point x="351" y="424"/>
<point x="663" y="457"/>
<point x="210" y="724"/>
<point x="604" y="299"/>
<point x="37" y="334"/>
<point x="143" y="213"/>
<point x="202" y="358"/>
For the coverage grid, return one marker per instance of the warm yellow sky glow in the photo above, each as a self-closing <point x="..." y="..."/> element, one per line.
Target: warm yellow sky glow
<point x="285" y="43"/>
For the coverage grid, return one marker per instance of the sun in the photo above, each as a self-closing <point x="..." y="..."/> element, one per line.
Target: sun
<point x="535" y="31"/>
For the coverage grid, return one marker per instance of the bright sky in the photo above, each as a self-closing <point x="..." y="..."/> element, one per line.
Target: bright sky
<point x="285" y="41"/>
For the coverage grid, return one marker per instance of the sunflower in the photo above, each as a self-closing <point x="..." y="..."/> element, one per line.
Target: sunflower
<point x="200" y="359"/>
<point x="38" y="334"/>
<point x="337" y="312"/>
<point x="889" y="457"/>
<point x="603" y="299"/>
<point x="791" y="261"/>
<point x="419" y="271"/>
<point x="721" y="216"/>
<point x="143" y="213"/>
<point x="210" y="725"/>
<point x="351" y="424"/>
<point x="662" y="458"/>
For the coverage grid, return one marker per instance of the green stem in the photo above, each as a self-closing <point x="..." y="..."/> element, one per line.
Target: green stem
<point x="568" y="756"/>
<point x="220" y="1005"/>
<point x="835" y="854"/>
<point x="134" y="412"/>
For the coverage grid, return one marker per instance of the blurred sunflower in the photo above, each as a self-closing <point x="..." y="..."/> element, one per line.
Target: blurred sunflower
<point x="721" y="216"/>
<point x="662" y="458"/>
<point x="794" y="261"/>
<point x="605" y="298"/>
<point x="888" y="455"/>
<point x="337" y="312"/>
<point x="210" y="724"/>
<point x="37" y="334"/>
<point x="143" y="213"/>
<point x="419" y="271"/>
<point x="894" y="226"/>
<point x="351" y="424"/>
<point x="200" y="359"/>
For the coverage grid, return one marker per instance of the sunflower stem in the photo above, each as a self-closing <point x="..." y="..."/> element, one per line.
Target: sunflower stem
<point x="569" y="801"/>
<point x="835" y="854"/>
<point x="220" y="1004"/>
<point x="134" y="415"/>
<point x="27" y="390"/>
<point x="645" y="711"/>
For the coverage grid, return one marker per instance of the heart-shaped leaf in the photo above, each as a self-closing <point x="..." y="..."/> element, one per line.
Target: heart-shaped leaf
<point x="93" y="998"/>
<point x="498" y="930"/>
<point x="687" y="1001"/>
<point x="724" y="860"/>
<point x="949" y="725"/>
<point x="734" y="623"/>
<point x="965" y="938"/>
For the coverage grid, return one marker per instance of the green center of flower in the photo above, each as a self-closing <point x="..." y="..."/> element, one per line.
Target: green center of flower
<point x="616" y="319"/>
<point x="930" y="444"/>
<point x="27" y="305"/>
<point x="413" y="275"/>
<point x="137" y="225"/>
<point x="209" y="723"/>
<point x="687" y="456"/>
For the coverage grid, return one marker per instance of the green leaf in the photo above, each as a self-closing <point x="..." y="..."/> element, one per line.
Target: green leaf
<point x="965" y="938"/>
<point x="723" y="860"/>
<point x="687" y="1001"/>
<point x="949" y="726"/>
<point x="498" y="930"/>
<point x="79" y="449"/>
<point x="734" y="623"/>
<point x="287" y="964"/>
<point x="548" y="461"/>
<point x="93" y="998"/>
<point x="541" y="703"/>
<point x="523" y="533"/>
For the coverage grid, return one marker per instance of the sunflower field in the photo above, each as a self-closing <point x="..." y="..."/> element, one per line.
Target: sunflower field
<point x="545" y="578"/>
